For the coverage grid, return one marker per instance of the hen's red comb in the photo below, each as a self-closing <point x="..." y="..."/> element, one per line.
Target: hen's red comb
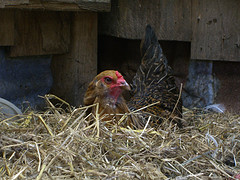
<point x="118" y="74"/>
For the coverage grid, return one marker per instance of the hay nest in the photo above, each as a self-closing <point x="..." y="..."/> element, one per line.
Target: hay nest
<point x="60" y="143"/>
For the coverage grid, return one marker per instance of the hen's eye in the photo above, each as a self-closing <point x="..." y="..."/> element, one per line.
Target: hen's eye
<point x="107" y="80"/>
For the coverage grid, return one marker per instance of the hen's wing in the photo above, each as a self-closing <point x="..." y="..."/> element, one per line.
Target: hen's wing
<point x="154" y="82"/>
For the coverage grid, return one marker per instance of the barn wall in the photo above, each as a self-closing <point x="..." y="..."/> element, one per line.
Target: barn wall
<point x="171" y="19"/>
<point x="216" y="30"/>
<point x="6" y="28"/>
<point x="212" y="27"/>
<point x="70" y="39"/>
<point x="40" y="33"/>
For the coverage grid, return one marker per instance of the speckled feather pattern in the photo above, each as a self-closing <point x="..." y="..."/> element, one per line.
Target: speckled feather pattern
<point x="155" y="82"/>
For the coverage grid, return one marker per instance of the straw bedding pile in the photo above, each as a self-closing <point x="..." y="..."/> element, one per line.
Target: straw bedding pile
<point x="60" y="143"/>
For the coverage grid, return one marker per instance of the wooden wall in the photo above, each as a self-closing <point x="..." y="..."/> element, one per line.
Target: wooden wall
<point x="128" y="19"/>
<point x="212" y="27"/>
<point x="34" y="33"/>
<point x="6" y="28"/>
<point x="65" y="29"/>
<point x="216" y="30"/>
<point x="40" y="33"/>
<point x="58" y="5"/>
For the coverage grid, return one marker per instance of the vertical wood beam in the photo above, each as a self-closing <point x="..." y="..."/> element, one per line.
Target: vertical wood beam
<point x="6" y="27"/>
<point x="73" y="71"/>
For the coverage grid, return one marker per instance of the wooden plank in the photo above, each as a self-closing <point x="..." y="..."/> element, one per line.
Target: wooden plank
<point x="6" y="28"/>
<point x="64" y="5"/>
<point x="28" y="40"/>
<point x="73" y="71"/>
<point x="171" y="19"/>
<point x="81" y="1"/>
<point x="55" y="31"/>
<point x="91" y="5"/>
<point x="3" y="3"/>
<point x="41" y="33"/>
<point x="216" y="30"/>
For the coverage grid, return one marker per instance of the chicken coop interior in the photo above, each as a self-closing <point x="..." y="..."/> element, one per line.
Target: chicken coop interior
<point x="167" y="108"/>
<point x="64" y="45"/>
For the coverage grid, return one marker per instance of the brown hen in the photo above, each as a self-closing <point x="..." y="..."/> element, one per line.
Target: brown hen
<point x="153" y="90"/>
<point x="106" y="90"/>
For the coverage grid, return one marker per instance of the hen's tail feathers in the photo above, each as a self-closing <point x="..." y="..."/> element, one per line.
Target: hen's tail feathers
<point x="154" y="65"/>
<point x="154" y="81"/>
<point x="149" y="39"/>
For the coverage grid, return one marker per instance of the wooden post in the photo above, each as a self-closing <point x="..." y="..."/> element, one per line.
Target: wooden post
<point x="6" y="28"/>
<point x="73" y="71"/>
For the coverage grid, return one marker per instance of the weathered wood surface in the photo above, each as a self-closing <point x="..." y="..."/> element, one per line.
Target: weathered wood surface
<point x="4" y="3"/>
<point x="6" y="28"/>
<point x="59" y="5"/>
<point x="73" y="71"/>
<point x="171" y="19"/>
<point x="41" y="33"/>
<point x="216" y="30"/>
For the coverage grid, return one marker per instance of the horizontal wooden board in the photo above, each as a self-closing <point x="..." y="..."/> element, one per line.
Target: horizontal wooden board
<point x="171" y="19"/>
<point x="4" y="3"/>
<point x="61" y="5"/>
<point x="41" y="33"/>
<point x="6" y="28"/>
<point x="216" y="30"/>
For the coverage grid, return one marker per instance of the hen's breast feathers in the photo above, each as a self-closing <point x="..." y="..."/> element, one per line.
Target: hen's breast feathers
<point x="154" y="82"/>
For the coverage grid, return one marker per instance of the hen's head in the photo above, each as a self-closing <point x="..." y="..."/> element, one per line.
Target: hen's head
<point x="108" y="84"/>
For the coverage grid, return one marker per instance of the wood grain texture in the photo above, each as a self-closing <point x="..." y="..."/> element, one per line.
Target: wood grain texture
<point x="216" y="30"/>
<point x="60" y="5"/>
<point x="73" y="71"/>
<point x="171" y="19"/>
<point x="91" y="5"/>
<point x="40" y="33"/>
<point x="55" y="31"/>
<point x="6" y="28"/>
<point x="4" y="3"/>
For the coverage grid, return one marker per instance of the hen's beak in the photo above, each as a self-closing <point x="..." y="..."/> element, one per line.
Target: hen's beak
<point x="124" y="84"/>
